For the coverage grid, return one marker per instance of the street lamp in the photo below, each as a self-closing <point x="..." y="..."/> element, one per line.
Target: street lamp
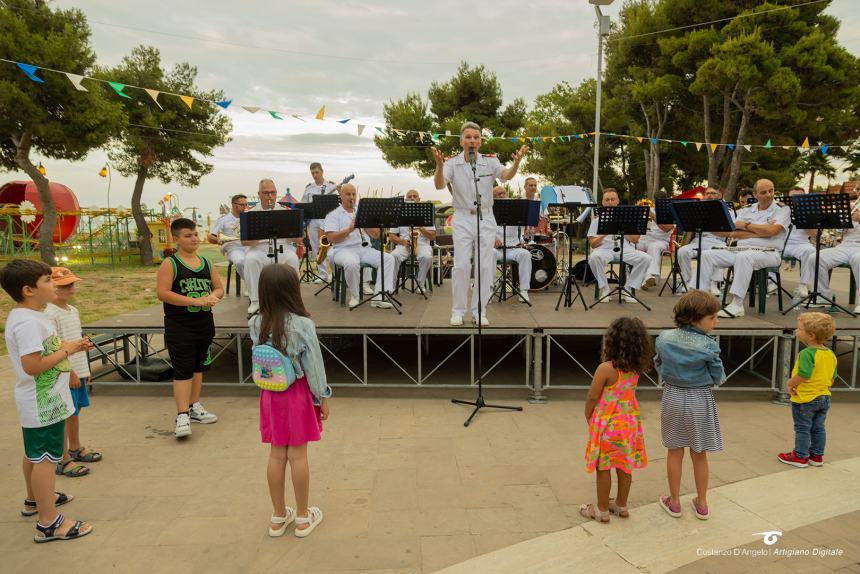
<point x="106" y="172"/>
<point x="602" y="31"/>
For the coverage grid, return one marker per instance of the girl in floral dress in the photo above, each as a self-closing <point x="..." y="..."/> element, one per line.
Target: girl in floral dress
<point x="614" y="430"/>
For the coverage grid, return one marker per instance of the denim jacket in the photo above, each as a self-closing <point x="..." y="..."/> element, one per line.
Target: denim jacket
<point x="687" y="357"/>
<point x="302" y="344"/>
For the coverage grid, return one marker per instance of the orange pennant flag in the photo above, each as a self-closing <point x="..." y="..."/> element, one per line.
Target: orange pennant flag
<point x="320" y="113"/>
<point x="189" y="100"/>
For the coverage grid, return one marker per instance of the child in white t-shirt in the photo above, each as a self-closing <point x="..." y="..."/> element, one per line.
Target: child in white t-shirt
<point x="42" y="397"/>
<point x="68" y="323"/>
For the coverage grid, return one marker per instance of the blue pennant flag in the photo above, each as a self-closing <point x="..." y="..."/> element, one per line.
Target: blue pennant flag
<point x="224" y="103"/>
<point x="343" y="121"/>
<point x="654" y="141"/>
<point x="30" y="70"/>
<point x="731" y="146"/>
<point x="824" y="149"/>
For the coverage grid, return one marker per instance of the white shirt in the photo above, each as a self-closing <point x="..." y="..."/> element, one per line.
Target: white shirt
<point x="608" y="241"/>
<point x="228" y="224"/>
<point x="403" y="233"/>
<point x="512" y="233"/>
<point x="338" y="220"/>
<point x="458" y="173"/>
<point x="852" y="236"/>
<point x="27" y="332"/>
<point x="654" y="231"/>
<point x="68" y="325"/>
<point x="312" y="189"/>
<point x="757" y="216"/>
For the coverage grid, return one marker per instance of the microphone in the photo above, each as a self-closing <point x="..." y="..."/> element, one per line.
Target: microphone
<point x="472" y="157"/>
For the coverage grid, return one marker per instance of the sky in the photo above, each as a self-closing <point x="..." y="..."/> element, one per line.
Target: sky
<point x="352" y="57"/>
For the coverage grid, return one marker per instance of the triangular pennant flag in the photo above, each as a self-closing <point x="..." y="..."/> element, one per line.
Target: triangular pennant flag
<point x="224" y="104"/>
<point x="805" y="144"/>
<point x="343" y="121"/>
<point x="684" y="143"/>
<point x="653" y="141"/>
<point x="447" y="133"/>
<point x="577" y="136"/>
<point x="298" y="117"/>
<point x="748" y="147"/>
<point x="275" y="115"/>
<point x="768" y="145"/>
<point x="435" y="137"/>
<point x="639" y="139"/>
<point x="421" y="136"/>
<point x="252" y="109"/>
<point x="117" y="87"/>
<point x="714" y="147"/>
<point x="76" y="81"/>
<point x="380" y="130"/>
<point x="320" y="114"/>
<point x="787" y="147"/>
<point x="360" y="128"/>
<point x="698" y="146"/>
<point x="400" y="133"/>
<point x="731" y="146"/>
<point x="823" y="149"/>
<point x="154" y="95"/>
<point x="30" y="71"/>
<point x="189" y="100"/>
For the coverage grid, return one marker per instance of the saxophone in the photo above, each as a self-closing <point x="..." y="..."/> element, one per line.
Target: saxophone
<point x="324" y="246"/>
<point x="413" y="242"/>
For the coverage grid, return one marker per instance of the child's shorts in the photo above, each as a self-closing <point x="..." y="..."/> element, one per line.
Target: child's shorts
<point x="187" y="342"/>
<point x="80" y="397"/>
<point x="45" y="443"/>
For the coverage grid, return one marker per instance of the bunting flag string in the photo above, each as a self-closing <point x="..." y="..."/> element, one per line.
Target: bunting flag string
<point x="30" y="71"/>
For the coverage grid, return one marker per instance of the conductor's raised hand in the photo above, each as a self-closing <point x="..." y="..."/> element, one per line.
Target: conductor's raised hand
<point x="520" y="153"/>
<point x="437" y="155"/>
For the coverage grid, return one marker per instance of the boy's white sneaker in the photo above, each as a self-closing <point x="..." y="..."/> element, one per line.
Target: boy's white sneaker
<point x="198" y="414"/>
<point x="183" y="426"/>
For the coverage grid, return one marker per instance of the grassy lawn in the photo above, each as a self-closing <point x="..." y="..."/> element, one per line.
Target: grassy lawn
<point x="106" y="290"/>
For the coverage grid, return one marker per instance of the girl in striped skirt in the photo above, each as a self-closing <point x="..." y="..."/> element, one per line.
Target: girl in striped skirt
<point x="689" y="363"/>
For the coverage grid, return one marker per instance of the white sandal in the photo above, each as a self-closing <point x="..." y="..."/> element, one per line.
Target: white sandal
<point x="286" y="520"/>
<point x="313" y="519"/>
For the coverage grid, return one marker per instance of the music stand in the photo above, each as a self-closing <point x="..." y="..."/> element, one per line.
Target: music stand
<point x="711" y="215"/>
<point x="664" y="216"/>
<point x="380" y="213"/>
<point x="570" y="280"/>
<point x="622" y="220"/>
<point x="321" y="206"/>
<point x="819" y="211"/>
<point x="271" y="225"/>
<point x="307" y="273"/>
<point x="421" y="214"/>
<point x="513" y="213"/>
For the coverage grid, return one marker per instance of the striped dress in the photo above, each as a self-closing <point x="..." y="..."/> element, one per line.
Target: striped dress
<point x="688" y="419"/>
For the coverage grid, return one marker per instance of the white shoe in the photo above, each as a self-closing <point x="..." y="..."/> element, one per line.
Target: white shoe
<point x="366" y="289"/>
<point x="603" y="293"/>
<point x="318" y="281"/>
<point x="198" y="414"/>
<point x="456" y="320"/>
<point x="183" y="426"/>
<point x="772" y="288"/>
<point x="628" y="299"/>
<point x="800" y="291"/>
<point x="715" y="289"/>
<point x="857" y="309"/>
<point x="524" y="297"/>
<point x="353" y="302"/>
<point x="735" y="310"/>
<point x="253" y="307"/>
<point x="313" y="519"/>
<point x="680" y="290"/>
<point x="380" y="303"/>
<point x="484" y="321"/>
<point x="284" y="521"/>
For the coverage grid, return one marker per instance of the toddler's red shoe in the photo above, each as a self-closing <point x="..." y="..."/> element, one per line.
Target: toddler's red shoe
<point x="792" y="459"/>
<point x="816" y="460"/>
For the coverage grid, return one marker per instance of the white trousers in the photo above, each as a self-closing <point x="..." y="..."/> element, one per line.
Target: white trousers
<point x="805" y="253"/>
<point x="832" y="257"/>
<point x="744" y="262"/>
<point x="687" y="253"/>
<point x="523" y="259"/>
<point x="314" y="228"/>
<point x="424" y="254"/>
<point x="257" y="257"/>
<point x="465" y="246"/>
<point x="600" y="258"/>
<point x="352" y="258"/>
<point x="234" y="252"/>
<point x="654" y="248"/>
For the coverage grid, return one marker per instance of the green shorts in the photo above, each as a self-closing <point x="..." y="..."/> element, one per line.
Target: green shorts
<point x="44" y="443"/>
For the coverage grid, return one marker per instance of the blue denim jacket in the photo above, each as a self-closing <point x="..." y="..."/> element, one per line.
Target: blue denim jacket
<point x="687" y="357"/>
<point x="302" y="343"/>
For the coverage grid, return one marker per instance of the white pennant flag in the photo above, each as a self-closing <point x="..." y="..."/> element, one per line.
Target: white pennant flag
<point x="76" y="81"/>
<point x="252" y="109"/>
<point x="748" y="147"/>
<point x="154" y="95"/>
<point x="360" y="128"/>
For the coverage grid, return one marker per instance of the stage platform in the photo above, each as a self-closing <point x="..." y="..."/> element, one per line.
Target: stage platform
<point x="534" y="347"/>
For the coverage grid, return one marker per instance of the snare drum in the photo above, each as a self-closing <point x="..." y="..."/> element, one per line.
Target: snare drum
<point x="543" y="267"/>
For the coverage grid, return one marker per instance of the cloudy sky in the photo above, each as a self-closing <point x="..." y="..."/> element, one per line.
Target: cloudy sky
<point x="352" y="57"/>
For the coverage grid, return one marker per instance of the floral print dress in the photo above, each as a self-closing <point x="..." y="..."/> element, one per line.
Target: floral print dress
<point x="614" y="430"/>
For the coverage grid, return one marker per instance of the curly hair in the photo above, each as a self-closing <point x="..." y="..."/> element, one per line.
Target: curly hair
<point x="627" y="345"/>
<point x="819" y="325"/>
<point x="693" y="306"/>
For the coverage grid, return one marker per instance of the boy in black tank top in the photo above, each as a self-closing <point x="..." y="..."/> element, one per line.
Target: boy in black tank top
<point x="188" y="286"/>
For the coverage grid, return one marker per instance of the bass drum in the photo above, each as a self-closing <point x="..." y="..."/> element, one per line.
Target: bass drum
<point x="543" y="267"/>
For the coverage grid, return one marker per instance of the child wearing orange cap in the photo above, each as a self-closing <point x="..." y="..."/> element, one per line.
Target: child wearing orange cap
<point x="68" y="323"/>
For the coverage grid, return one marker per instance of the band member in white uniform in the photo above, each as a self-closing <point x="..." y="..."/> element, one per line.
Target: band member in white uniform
<point x="257" y="252"/>
<point x="350" y="248"/>
<point x="846" y="253"/>
<point x="603" y="252"/>
<point x="687" y="253"/>
<point x="318" y="186"/>
<point x="801" y="248"/>
<point x="228" y="224"/>
<point x="423" y="250"/>
<point x="457" y="172"/>
<point x="654" y="243"/>
<point x="763" y="224"/>
<point x="510" y="238"/>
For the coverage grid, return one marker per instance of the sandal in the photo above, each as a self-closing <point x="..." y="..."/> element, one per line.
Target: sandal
<point x="91" y="456"/>
<point x="286" y="520"/>
<point x="48" y="532"/>
<point x="75" y="472"/>
<point x="313" y="519"/>
<point x="619" y="511"/>
<point x="673" y="510"/>
<point x="30" y="504"/>
<point x="591" y="512"/>
<point x="701" y="510"/>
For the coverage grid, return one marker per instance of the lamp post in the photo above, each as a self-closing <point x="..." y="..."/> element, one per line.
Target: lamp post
<point x="602" y="31"/>
<point x="106" y="172"/>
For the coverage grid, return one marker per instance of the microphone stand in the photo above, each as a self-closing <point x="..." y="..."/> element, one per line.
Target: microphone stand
<point x="479" y="403"/>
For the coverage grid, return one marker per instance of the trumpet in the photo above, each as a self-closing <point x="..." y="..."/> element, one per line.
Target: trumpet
<point x="645" y="201"/>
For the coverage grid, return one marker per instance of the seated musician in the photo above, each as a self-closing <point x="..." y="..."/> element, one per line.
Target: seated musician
<point x="509" y="239"/>
<point x="604" y="252"/>
<point x="687" y="252"/>
<point x="542" y="228"/>
<point x="799" y="246"/>
<point x="350" y="248"/>
<point x="761" y="229"/>
<point x="423" y="250"/>
<point x="226" y="228"/>
<point x="846" y="253"/>
<point x="654" y="243"/>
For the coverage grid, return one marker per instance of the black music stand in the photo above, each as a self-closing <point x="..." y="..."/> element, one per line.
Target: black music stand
<point x="622" y="220"/>
<point x="570" y="280"/>
<point x="664" y="216"/>
<point x="271" y="225"/>
<point x="710" y="215"/>
<point x="819" y="211"/>
<point x="513" y="213"/>
<point x="307" y="273"/>
<point x="380" y="213"/>
<point x="322" y="205"/>
<point x="412" y="214"/>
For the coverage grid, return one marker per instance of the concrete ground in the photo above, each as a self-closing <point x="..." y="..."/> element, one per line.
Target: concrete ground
<point x="406" y="488"/>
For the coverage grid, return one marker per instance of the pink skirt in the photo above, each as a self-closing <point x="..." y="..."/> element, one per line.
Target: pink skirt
<point x="289" y="418"/>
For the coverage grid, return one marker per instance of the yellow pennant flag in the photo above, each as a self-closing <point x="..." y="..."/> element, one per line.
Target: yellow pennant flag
<point x="321" y="113"/>
<point x="639" y="139"/>
<point x="189" y="100"/>
<point x="698" y="146"/>
<point x="713" y="147"/>
<point x="805" y="144"/>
